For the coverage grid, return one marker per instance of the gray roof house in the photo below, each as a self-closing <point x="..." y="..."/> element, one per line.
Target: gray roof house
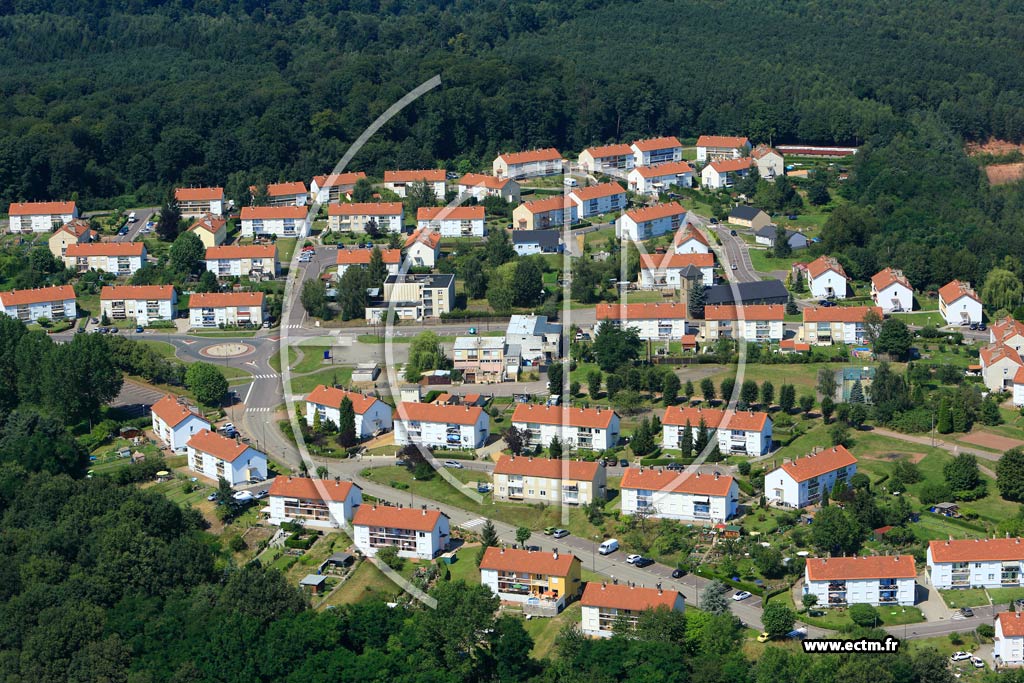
<point x="539" y="341"/>
<point x="527" y="242"/>
<point x="749" y="216"/>
<point x="766" y="236"/>
<point x="760" y="292"/>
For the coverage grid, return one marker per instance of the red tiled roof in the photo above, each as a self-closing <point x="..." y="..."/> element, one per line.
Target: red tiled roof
<point x="747" y="312"/>
<point x="431" y="175"/>
<point x="763" y="150"/>
<point x="605" y="151"/>
<point x="595" y="418"/>
<point x="528" y="562"/>
<point x="794" y="344"/>
<point x="547" y="154"/>
<point x="310" y="489"/>
<point x="284" y="189"/>
<point x="556" y="203"/>
<point x="952" y="291"/>
<point x="689" y="232"/>
<point x="342" y="179"/>
<point x="547" y="468"/>
<point x="221" y="299"/>
<point x="198" y="194"/>
<point x="665" y="169"/>
<point x="1011" y="624"/>
<point x="838" y="314"/>
<point x="105" y="249"/>
<point x="40" y="208"/>
<point x="232" y="251"/>
<point x="1007" y="327"/>
<point x="660" y="479"/>
<point x="870" y="567"/>
<point x="429" y="237"/>
<point x="673" y="260"/>
<point x="453" y="213"/>
<point x="272" y="212"/>
<point x="38" y="295"/>
<point x="721" y="141"/>
<point x="822" y="265"/>
<point x="140" y="292"/>
<point x="479" y="179"/>
<point x="173" y="413"/>
<point x="208" y="222"/>
<point x="396" y="518"/>
<point x="731" y="165"/>
<point x="353" y="257"/>
<point x="329" y="396"/>
<point x="220" y="447"/>
<point x="428" y="412"/>
<point x="654" y="144"/>
<point x="597" y="191"/>
<point x="744" y="420"/>
<point x="887" y="277"/>
<point x="653" y="311"/>
<point x="365" y="209"/>
<point x="817" y="464"/>
<point x="996" y="352"/>
<point x="977" y="550"/>
<point x="688" y="341"/>
<point x="1018" y="377"/>
<point x="650" y="213"/>
<point x="626" y="597"/>
<point x="74" y="227"/>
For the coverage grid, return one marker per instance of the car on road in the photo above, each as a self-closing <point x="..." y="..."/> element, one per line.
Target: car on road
<point x="733" y="233"/>
<point x="453" y="464"/>
<point x="95" y="321"/>
<point x="131" y="217"/>
<point x="630" y="559"/>
<point x="560" y="533"/>
<point x="262" y="494"/>
<point x="623" y="463"/>
<point x="734" y="266"/>
<point x="139" y="329"/>
<point x="113" y="330"/>
<point x="642" y="562"/>
<point x="741" y="595"/>
<point x="548" y="530"/>
<point x="714" y="221"/>
<point x="678" y="573"/>
<point x="966" y="612"/>
<point x="959" y="656"/>
<point x="977" y="662"/>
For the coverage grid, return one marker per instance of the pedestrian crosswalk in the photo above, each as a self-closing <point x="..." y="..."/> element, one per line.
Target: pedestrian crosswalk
<point x="293" y="326"/>
<point x="473" y="523"/>
<point x="260" y="409"/>
<point x="270" y="376"/>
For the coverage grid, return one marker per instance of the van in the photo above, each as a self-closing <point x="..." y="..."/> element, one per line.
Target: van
<point x="131" y="217"/>
<point x="570" y="182"/>
<point x="608" y="547"/>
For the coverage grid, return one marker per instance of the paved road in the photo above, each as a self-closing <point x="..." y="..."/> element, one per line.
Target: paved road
<point x="736" y="252"/>
<point x="141" y="217"/>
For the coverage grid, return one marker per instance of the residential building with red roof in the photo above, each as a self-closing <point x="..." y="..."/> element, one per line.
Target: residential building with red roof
<point x="999" y="366"/>
<point x="891" y="291"/>
<point x="279" y="221"/>
<point x="29" y="305"/>
<point x="879" y="580"/>
<point x="333" y="188"/>
<point x="543" y="214"/>
<point x="452" y="221"/>
<point x="287" y="194"/>
<point x="607" y="605"/>
<point x="441" y="426"/>
<point x="531" y="164"/>
<point x="826" y="278"/>
<point x="609" y="159"/>
<point x="40" y="216"/>
<point x="684" y="495"/>
<point x="211" y="230"/>
<point x="321" y="503"/>
<point x="255" y="261"/>
<point x="214" y="456"/>
<point x="145" y="304"/>
<point x="545" y="579"/>
<point x="714" y="147"/>
<point x="423" y="248"/>
<point x="770" y="162"/>
<point x="193" y="202"/>
<point x="592" y="429"/>
<point x="762" y="323"/>
<point x="725" y="172"/>
<point x="227" y="309"/>
<point x="360" y="258"/>
<point x="596" y="200"/>
<point x="652" y="321"/>
<point x="793" y="346"/>
<point x="358" y="216"/>
<point x="1008" y="644"/>
<point x="543" y="480"/>
<point x="372" y="414"/>
<point x="959" y="304"/>
<point x="799" y="482"/>
<point x="175" y="422"/>
<point x="399" y="181"/>
<point x="416" y="532"/>
<point x="119" y="258"/>
<point x="745" y="432"/>
<point x="690" y="240"/>
<point x="650" y="221"/>
<point x="76" y="231"/>
<point x="976" y="563"/>
<point x="1008" y="332"/>
<point x="676" y="271"/>
<point x="657" y="151"/>
<point x="653" y="180"/>
<point x="481" y="186"/>
<point x="827" y="325"/>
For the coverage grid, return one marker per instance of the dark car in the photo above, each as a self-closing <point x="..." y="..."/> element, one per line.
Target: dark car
<point x="967" y="612"/>
<point x="678" y="573"/>
<point x="792" y="216"/>
<point x="643" y="562"/>
<point x="623" y="463"/>
<point x="675" y="466"/>
<point x="982" y="327"/>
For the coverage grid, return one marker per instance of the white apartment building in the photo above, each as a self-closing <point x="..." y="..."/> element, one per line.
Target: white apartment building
<point x="593" y="429"/>
<point x="1008" y="647"/>
<point x="256" y="261"/>
<point x="976" y="563"/>
<point x="826" y="278"/>
<point x="610" y="159"/>
<point x="598" y="199"/>
<point x="399" y="181"/>
<point x="29" y="305"/>
<point x="606" y="605"/>
<point x="725" y="172"/>
<point x="356" y="216"/>
<point x="762" y="323"/>
<point x="145" y="304"/>
<point x="333" y="188"/>
<point x="712" y="147"/>
<point x="656" y="151"/>
<point x="543" y="480"/>
<point x="175" y="422"/>
<point x="650" y="221"/>
<point x="279" y="221"/>
<point x="653" y="322"/>
<point x="668" y="494"/>
<point x="891" y="291"/>
<point x="120" y="258"/>
<point x="226" y="309"/>
<point x="318" y="503"/>
<point x="441" y="426"/>
<point x="532" y="164"/>
<point x="452" y="221"/>
<point x="40" y="216"/>
<point x="800" y="482"/>
<point x="193" y="202"/>
<point x="360" y="258"/>
<point x="676" y="271"/>
<point x="372" y="414"/>
<point x="215" y="456"/>
<point x="745" y="432"/>
<point x="287" y="194"/>
<point x="770" y="162"/>
<point x="416" y="533"/>
<point x="825" y="326"/>
<point x="652" y="180"/>
<point x="959" y="304"/>
<point x="414" y="297"/>
<point x="879" y="580"/>
<point x="480" y="187"/>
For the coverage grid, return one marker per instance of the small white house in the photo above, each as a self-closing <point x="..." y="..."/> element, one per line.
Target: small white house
<point x="800" y="482"/>
<point x="360" y="258"/>
<point x="357" y="216"/>
<point x="1008" y="646"/>
<point x="399" y="181"/>
<point x="725" y="172"/>
<point x="119" y="258"/>
<point x="279" y="221"/>
<point x="1000" y="365"/>
<point x="827" y="279"/>
<point x="215" y="456"/>
<point x="669" y="494"/>
<point x="29" y="305"/>
<point x="674" y="271"/>
<point x="332" y="188"/>
<point x="959" y="304"/>
<point x="372" y="414"/>
<point x="143" y="303"/>
<point x="40" y="216"/>
<point x="175" y="422"/>
<point x="598" y="199"/>
<point x="761" y="323"/>
<point x="744" y="432"/>
<point x="452" y="221"/>
<point x="879" y="580"/>
<point x="653" y="322"/>
<point x="891" y="291"/>
<point x="606" y="605"/>
<point x="712" y="147"/>
<point x="194" y="202"/>
<point x="976" y="563"/>
<point x="657" y="151"/>
<point x="226" y="309"/>
<point x="652" y="180"/>
<point x="441" y="426"/>
<point x="650" y="221"/>
<point x="770" y="162"/>
<point x="532" y="164"/>
<point x="593" y="429"/>
<point x="480" y="187"/>
<point x="317" y="503"/>
<point x="416" y="533"/>
<point x="611" y="159"/>
<point x="690" y="240"/>
<point x="423" y="248"/>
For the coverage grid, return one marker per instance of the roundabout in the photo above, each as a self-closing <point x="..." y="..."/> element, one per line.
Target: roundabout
<point x="227" y="350"/>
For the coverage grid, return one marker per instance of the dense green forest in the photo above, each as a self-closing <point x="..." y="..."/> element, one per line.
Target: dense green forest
<point x="112" y="97"/>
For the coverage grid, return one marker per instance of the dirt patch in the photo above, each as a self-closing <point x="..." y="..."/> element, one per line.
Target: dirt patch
<point x="994" y="146"/>
<point x="1004" y="174"/>
<point x="913" y="458"/>
<point x="987" y="440"/>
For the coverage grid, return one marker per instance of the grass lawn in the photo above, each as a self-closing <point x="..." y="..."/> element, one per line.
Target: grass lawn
<point x="366" y="582"/>
<point x="223" y="333"/>
<point x="165" y="349"/>
<point x="968" y="597"/>
<point x="921" y="318"/>
<point x="839" y="620"/>
<point x="764" y="264"/>
<point x="1005" y="595"/>
<point x="275" y="360"/>
<point x="312" y="358"/>
<point x="338" y="374"/>
<point x="464" y="568"/>
<point x="285" y="249"/>
<point x="545" y="631"/>
<point x="234" y="373"/>
<point x="599" y="238"/>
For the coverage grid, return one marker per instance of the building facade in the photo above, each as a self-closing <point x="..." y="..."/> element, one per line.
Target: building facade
<point x="593" y="429"/>
<point x="30" y="305"/>
<point x="194" y="202"/>
<point x="744" y="432"/>
<point x="317" y="503"/>
<point x="175" y="422"/>
<point x="372" y="414"/>
<point x="255" y="261"/>
<point x="456" y="221"/>
<point x="441" y="426"/>
<point x="666" y="494"/>
<point x="145" y="304"/>
<point x="879" y="580"/>
<point x="531" y="164"/>
<point x="119" y="258"/>
<point x="653" y="322"/>
<point x="278" y="221"/>
<point x="598" y="199"/>
<point x="543" y="480"/>
<point x="520" y="576"/>
<point x="800" y="482"/>
<point x="227" y="309"/>
<point x="416" y="533"/>
<point x="761" y="323"/>
<point x="215" y="457"/>
<point x="40" y="216"/>
<point x="650" y="221"/>
<point x="434" y="178"/>
<point x="605" y="606"/>
<point x="976" y="563"/>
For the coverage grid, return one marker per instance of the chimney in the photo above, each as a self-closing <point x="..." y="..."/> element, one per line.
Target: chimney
<point x="554" y="553"/>
<point x="424" y="512"/>
<point x="603" y="584"/>
<point x="502" y="550"/>
<point x="716" y="476"/>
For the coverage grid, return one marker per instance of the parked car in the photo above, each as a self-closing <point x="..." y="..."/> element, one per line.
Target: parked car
<point x="741" y="595"/>
<point x="560" y="533"/>
<point x="959" y="656"/>
<point x="243" y="496"/>
<point x="623" y="463"/>
<point x="678" y="573"/>
<point x="764" y="637"/>
<point x="139" y="329"/>
<point x="630" y="559"/>
<point x="982" y="327"/>
<point x="608" y="547"/>
<point x="977" y="662"/>
<point x="453" y="464"/>
<point x="263" y="494"/>
<point x="643" y="562"/>
<point x="734" y="266"/>
<point x="966" y="612"/>
<point x="732" y="232"/>
<point x="548" y="530"/>
<point x="212" y="497"/>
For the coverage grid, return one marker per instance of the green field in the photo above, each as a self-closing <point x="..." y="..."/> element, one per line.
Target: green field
<point x="165" y="349"/>
<point x="338" y="374"/>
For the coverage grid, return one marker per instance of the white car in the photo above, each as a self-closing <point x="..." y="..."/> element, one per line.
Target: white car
<point x="977" y="662"/>
<point x="453" y="464"/>
<point x="243" y="496"/>
<point x="742" y="595"/>
<point x="630" y="559"/>
<point x="959" y="656"/>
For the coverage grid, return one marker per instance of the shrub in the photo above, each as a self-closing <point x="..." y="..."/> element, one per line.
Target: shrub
<point x="864" y="615"/>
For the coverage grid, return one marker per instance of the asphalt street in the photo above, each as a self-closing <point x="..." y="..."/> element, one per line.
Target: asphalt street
<point x="141" y="217"/>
